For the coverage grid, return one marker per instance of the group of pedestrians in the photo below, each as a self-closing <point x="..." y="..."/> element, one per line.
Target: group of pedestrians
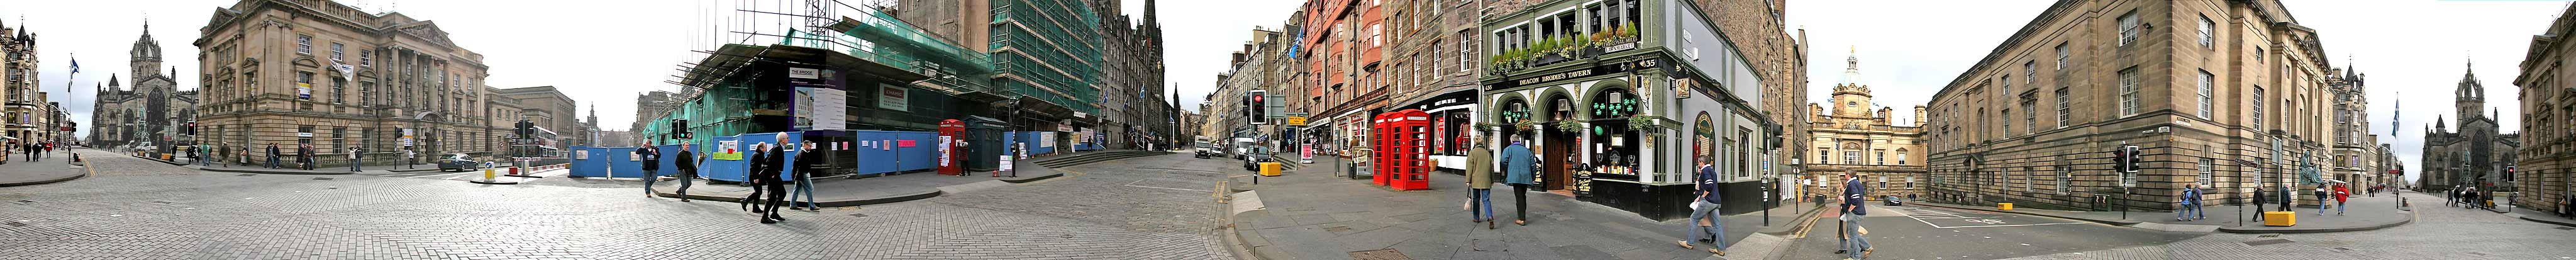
<point x="2471" y="198"/>
<point x="31" y="151"/>
<point x="770" y="176"/>
<point x="1518" y="167"/>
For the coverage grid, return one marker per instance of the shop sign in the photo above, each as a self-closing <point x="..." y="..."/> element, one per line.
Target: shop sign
<point x="1297" y="120"/>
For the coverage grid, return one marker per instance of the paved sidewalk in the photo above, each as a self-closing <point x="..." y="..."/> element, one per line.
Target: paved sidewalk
<point x="1311" y="214"/>
<point x="2542" y="217"/>
<point x="840" y="191"/>
<point x="2367" y="213"/>
<point x="41" y="171"/>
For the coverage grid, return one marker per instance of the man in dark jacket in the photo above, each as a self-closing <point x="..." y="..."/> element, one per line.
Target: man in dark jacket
<point x="1854" y="208"/>
<point x="770" y="165"/>
<point x="304" y="156"/>
<point x="807" y="160"/>
<point x="687" y="160"/>
<point x="652" y="167"/>
<point x="1518" y="167"/>
<point x="272" y="155"/>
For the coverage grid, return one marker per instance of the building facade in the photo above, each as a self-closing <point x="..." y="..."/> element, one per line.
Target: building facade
<point x="1134" y="110"/>
<point x="2355" y="147"/>
<point x="27" y="110"/>
<point x="1047" y="54"/>
<point x="2476" y="154"/>
<point x="1433" y="69"/>
<point x="2227" y="95"/>
<point x="293" y="72"/>
<point x="153" y="112"/>
<point x="1851" y="139"/>
<point x="1249" y="70"/>
<point x="650" y="105"/>
<point x="1342" y="43"/>
<point x="1621" y="98"/>
<point x="2546" y="173"/>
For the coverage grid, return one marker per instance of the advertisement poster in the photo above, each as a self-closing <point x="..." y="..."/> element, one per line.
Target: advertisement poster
<point x="1046" y="139"/>
<point x="943" y="151"/>
<point x="732" y="150"/>
<point x="891" y="97"/>
<point x="304" y="91"/>
<point x="580" y="154"/>
<point x="1006" y="163"/>
<point x="1306" y="152"/>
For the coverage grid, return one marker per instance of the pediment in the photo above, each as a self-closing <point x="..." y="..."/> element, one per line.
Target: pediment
<point x="426" y="30"/>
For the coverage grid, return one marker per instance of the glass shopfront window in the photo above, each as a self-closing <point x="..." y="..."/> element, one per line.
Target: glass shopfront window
<point x="1615" y="148"/>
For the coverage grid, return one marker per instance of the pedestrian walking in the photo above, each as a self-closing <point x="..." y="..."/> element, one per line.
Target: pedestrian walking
<point x="687" y="161"/>
<point x="771" y="167"/>
<point x="752" y="202"/>
<point x="407" y="159"/>
<point x="807" y="161"/>
<point x="1517" y="169"/>
<point x="2341" y="195"/>
<point x="2322" y="195"/>
<point x="2451" y="198"/>
<point x="652" y="167"/>
<point x="1704" y="210"/>
<point x="1854" y="208"/>
<point x="1480" y="185"/>
<point x="304" y="156"/>
<point x="354" y="159"/>
<point x="272" y="155"/>
<point x="2190" y="209"/>
<point x="2261" y="200"/>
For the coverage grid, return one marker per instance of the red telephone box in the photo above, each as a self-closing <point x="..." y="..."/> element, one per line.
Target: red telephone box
<point x="1408" y="138"/>
<point x="949" y="145"/>
<point x="1378" y="149"/>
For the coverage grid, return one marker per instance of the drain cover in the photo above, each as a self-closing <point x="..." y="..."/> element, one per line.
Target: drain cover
<point x="2266" y="242"/>
<point x="26" y="201"/>
<point x="1337" y="229"/>
<point x="16" y="224"/>
<point x="1380" y="254"/>
<point x="2342" y="249"/>
<point x="246" y="174"/>
<point x="858" y="215"/>
<point x="2269" y="235"/>
<point x="321" y="178"/>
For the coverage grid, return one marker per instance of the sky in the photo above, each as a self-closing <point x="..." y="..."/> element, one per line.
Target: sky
<point x="2422" y="56"/>
<point x="1202" y="36"/>
<point x="600" y="53"/>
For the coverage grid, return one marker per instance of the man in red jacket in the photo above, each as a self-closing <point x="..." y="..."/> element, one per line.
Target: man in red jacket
<point x="2340" y="194"/>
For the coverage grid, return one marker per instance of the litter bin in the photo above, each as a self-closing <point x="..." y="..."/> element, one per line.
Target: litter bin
<point x="2003" y="206"/>
<point x="1270" y="169"/>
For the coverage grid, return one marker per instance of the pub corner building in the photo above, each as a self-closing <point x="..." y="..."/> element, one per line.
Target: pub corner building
<point x="1617" y="98"/>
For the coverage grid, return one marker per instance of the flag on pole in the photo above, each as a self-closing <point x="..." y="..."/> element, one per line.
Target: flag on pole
<point x="76" y="65"/>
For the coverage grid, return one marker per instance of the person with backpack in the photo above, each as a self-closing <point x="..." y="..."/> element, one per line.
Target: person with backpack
<point x="2190" y="209"/>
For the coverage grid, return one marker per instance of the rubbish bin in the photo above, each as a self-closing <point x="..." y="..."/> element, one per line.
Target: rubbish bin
<point x="2003" y="206"/>
<point x="1270" y="169"/>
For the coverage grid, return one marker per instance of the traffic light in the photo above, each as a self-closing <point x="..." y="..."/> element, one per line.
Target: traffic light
<point x="1255" y="105"/>
<point x="679" y="129"/>
<point x="2125" y="160"/>
<point x="192" y="128"/>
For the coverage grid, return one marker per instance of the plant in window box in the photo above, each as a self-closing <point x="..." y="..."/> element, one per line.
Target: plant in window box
<point x="1569" y="126"/>
<point x="1526" y="125"/>
<point x="1651" y="124"/>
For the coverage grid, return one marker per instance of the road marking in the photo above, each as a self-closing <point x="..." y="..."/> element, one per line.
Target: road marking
<point x="1991" y="221"/>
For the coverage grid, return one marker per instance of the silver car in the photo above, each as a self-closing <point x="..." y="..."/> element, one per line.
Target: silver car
<point x="458" y="161"/>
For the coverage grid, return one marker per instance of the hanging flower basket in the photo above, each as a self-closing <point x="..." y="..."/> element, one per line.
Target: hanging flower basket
<point x="1568" y="126"/>
<point x="1647" y="123"/>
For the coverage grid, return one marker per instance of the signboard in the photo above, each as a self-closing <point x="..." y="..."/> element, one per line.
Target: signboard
<point x="903" y="143"/>
<point x="891" y="97"/>
<point x="1047" y="139"/>
<point x="732" y="150"/>
<point x="304" y="91"/>
<point x="580" y="154"/>
<point x="943" y="150"/>
<point x="1066" y="127"/>
<point x="303" y="134"/>
<point x="804" y="73"/>
<point x="1297" y="120"/>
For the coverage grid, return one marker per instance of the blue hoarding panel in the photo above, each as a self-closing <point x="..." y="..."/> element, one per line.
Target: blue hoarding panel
<point x="718" y="167"/>
<point x="670" y="160"/>
<point x="880" y="152"/>
<point x="621" y="162"/>
<point x="586" y="162"/>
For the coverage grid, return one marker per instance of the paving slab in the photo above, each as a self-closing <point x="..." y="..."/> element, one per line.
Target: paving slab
<point x="42" y="171"/>
<point x="1310" y="214"/>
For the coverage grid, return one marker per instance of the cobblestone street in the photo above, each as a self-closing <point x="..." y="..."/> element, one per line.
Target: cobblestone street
<point x="136" y="209"/>
<point x="2438" y="233"/>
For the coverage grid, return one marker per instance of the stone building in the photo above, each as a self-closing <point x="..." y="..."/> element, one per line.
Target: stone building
<point x="26" y="117"/>
<point x="1133" y="108"/>
<point x="2355" y="147"/>
<point x="1852" y="139"/>
<point x="289" y="72"/>
<point x="1433" y="62"/>
<point x="153" y="111"/>
<point x="650" y="105"/>
<point x="1228" y="118"/>
<point x="1047" y="54"/>
<point x="2477" y="153"/>
<point x="549" y="108"/>
<point x="1342" y="45"/>
<point x="2546" y="173"/>
<point x="2227" y="95"/>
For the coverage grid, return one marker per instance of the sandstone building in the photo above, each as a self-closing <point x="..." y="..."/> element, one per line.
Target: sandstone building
<point x="2228" y="95"/>
<point x="2546" y="173"/>
<point x="289" y="72"/>
<point x="1852" y="139"/>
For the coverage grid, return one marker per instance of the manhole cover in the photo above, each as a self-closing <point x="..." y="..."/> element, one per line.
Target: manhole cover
<point x="16" y="224"/>
<point x="2266" y="242"/>
<point x="246" y="174"/>
<point x="1380" y="254"/>
<point x="1337" y="229"/>
<point x="858" y="215"/>
<point x="321" y="178"/>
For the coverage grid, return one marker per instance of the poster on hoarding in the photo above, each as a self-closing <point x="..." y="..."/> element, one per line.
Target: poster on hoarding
<point x="891" y="97"/>
<point x="729" y="150"/>
<point x="1046" y="139"/>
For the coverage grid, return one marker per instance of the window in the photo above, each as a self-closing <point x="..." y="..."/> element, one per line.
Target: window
<point x="2207" y="91"/>
<point x="2007" y="121"/>
<point x="1375" y="38"/>
<point x="2208" y="32"/>
<point x="2030" y="117"/>
<point x="1882" y="181"/>
<point x="2029" y="72"/>
<point x="2258" y="108"/>
<point x="2129" y="92"/>
<point x="366" y="58"/>
<point x="2128" y="28"/>
<point x="1882" y="157"/>
<point x="336" y="54"/>
<point x="1909" y="182"/>
<point x="2208" y="168"/>
<point x="1464" y="61"/>
<point x="2258" y="55"/>
<point x="304" y="44"/>
<point x="2062" y="110"/>
<point x="339" y="90"/>
<point x="1823" y="155"/>
<point x="1851" y="157"/>
<point x="2061" y="58"/>
<point x="336" y="138"/>
<point x="1900" y="157"/>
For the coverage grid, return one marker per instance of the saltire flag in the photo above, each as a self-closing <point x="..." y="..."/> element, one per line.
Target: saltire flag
<point x="75" y="65"/>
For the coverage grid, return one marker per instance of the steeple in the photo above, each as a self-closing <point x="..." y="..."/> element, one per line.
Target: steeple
<point x="2470" y="96"/>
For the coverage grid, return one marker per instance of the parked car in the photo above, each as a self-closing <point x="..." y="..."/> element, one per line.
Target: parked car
<point x="1891" y="200"/>
<point x="1252" y="160"/>
<point x="459" y="162"/>
<point x="1204" y="150"/>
